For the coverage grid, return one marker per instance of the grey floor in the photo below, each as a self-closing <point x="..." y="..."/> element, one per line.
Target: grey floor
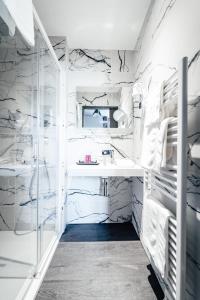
<point x="117" y="270"/>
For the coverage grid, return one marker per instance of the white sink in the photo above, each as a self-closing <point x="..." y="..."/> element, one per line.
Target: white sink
<point x="123" y="163"/>
<point x="121" y="168"/>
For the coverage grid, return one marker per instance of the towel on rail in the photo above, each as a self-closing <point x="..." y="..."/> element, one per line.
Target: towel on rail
<point x="169" y="104"/>
<point x="155" y="232"/>
<point x="150" y="134"/>
<point x="149" y="147"/>
<point x="157" y="152"/>
<point x="158" y="113"/>
<point x="163" y="151"/>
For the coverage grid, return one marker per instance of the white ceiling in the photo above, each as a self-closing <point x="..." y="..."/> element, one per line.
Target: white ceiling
<point x="94" y="24"/>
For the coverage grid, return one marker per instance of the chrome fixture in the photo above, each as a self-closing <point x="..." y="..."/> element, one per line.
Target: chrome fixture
<point x="107" y="153"/>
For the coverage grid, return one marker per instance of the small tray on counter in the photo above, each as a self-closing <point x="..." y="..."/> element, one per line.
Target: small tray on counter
<point x="92" y="163"/>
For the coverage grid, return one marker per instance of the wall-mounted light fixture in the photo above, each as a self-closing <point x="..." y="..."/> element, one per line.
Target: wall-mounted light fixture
<point x="119" y="115"/>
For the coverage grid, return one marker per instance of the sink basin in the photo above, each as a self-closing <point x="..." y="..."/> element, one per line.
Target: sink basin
<point x="121" y="168"/>
<point x="124" y="163"/>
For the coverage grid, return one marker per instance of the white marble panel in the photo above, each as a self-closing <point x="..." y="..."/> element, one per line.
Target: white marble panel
<point x="97" y="69"/>
<point x="89" y="60"/>
<point x="167" y="29"/>
<point x="123" y="61"/>
<point x="86" y="202"/>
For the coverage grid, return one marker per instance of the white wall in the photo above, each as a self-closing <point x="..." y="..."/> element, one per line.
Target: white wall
<point x="171" y="32"/>
<point x="85" y="202"/>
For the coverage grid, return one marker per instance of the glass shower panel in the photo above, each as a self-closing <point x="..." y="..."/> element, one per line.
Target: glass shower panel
<point x="18" y="133"/>
<point x="26" y="138"/>
<point x="48" y="148"/>
<point x="29" y="85"/>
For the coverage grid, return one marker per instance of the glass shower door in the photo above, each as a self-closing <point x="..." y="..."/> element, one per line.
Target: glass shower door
<point x="29" y="84"/>
<point x="48" y="149"/>
<point x="18" y="180"/>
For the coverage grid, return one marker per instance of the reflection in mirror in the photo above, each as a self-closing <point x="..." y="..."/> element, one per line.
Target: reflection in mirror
<point x="104" y="107"/>
<point x="98" y="117"/>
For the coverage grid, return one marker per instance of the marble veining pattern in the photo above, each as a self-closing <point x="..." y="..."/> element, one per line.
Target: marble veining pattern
<point x="18" y="130"/>
<point x="59" y="46"/>
<point x="91" y="206"/>
<point x="111" y="70"/>
<point x="154" y="63"/>
<point x="85" y="59"/>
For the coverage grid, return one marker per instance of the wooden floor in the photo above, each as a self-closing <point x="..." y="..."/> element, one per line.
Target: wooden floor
<point x="117" y="270"/>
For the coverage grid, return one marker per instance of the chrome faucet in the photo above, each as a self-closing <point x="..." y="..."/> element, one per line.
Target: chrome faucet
<point x="107" y="153"/>
<point x="112" y="157"/>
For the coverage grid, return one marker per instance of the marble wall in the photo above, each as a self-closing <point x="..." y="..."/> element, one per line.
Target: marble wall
<point x="97" y="68"/>
<point x="17" y="119"/>
<point x="171" y="32"/>
<point x="28" y="129"/>
<point x="108" y="61"/>
<point x="85" y="202"/>
<point x="29" y="159"/>
<point x="59" y="44"/>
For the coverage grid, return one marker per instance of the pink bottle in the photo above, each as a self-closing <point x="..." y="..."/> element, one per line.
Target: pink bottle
<point x="87" y="158"/>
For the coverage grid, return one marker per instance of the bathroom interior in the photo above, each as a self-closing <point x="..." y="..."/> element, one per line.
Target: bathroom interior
<point x="99" y="152"/>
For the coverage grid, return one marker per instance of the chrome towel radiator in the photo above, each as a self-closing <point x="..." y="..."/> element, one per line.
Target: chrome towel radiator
<point x="171" y="182"/>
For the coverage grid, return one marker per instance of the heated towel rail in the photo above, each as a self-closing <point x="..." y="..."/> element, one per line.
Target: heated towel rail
<point x="171" y="183"/>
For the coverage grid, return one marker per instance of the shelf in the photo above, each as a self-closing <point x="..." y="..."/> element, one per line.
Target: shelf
<point x="9" y="170"/>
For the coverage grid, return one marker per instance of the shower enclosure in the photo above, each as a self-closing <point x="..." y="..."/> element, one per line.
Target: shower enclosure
<point x="29" y="157"/>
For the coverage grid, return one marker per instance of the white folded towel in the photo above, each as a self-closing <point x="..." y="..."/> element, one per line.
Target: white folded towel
<point x="163" y="151"/>
<point x="170" y="106"/>
<point x="155" y="232"/>
<point x="150" y="136"/>
<point x="158" y="114"/>
<point x="151" y="128"/>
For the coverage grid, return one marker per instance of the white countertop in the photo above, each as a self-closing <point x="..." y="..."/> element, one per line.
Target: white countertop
<point x="122" y="168"/>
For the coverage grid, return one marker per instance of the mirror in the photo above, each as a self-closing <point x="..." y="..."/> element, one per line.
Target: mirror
<point x="104" y="107"/>
<point x="98" y="117"/>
